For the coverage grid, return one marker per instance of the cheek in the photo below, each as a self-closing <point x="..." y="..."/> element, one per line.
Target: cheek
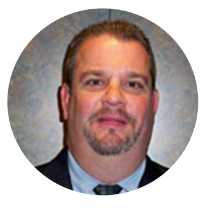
<point x="86" y="105"/>
<point x="138" y="107"/>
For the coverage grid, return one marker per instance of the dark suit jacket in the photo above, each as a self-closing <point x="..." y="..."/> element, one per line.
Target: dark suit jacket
<point x="57" y="171"/>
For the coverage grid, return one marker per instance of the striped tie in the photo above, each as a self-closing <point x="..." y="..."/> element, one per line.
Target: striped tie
<point x="107" y="189"/>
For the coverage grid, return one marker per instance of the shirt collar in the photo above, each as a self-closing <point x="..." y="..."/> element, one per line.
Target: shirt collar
<point x="81" y="181"/>
<point x="84" y="183"/>
<point x="132" y="182"/>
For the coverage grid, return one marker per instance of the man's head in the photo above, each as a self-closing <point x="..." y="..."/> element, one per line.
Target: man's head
<point x="119" y="29"/>
<point x="109" y="101"/>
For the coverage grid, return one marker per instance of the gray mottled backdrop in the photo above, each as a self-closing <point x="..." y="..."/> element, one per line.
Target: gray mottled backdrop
<point x="32" y="98"/>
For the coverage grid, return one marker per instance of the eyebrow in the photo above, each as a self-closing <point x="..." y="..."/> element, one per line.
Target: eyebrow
<point x="138" y="76"/>
<point x="91" y="73"/>
<point x="132" y="75"/>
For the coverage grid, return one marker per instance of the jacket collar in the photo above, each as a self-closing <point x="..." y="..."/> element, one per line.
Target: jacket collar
<point x="65" y="180"/>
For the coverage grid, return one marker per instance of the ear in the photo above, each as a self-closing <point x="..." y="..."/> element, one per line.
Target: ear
<point x="64" y="100"/>
<point x="155" y="100"/>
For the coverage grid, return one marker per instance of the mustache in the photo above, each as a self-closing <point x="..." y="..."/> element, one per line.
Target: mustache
<point x="117" y="112"/>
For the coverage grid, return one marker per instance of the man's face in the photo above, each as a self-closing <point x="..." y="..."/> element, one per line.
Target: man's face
<point x="111" y="104"/>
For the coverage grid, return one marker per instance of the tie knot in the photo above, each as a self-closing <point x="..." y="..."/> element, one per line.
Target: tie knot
<point x="107" y="189"/>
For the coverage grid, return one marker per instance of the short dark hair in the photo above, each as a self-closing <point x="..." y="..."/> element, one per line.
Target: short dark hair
<point x="122" y="30"/>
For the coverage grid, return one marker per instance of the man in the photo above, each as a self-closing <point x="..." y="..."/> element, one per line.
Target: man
<point x="108" y="100"/>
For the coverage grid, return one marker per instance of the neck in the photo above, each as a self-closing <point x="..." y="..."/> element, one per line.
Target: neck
<point x="107" y="169"/>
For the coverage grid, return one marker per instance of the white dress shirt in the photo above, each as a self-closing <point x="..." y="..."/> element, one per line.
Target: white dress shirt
<point x="84" y="183"/>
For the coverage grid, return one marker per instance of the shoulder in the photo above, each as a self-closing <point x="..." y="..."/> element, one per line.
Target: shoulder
<point x="59" y="161"/>
<point x="44" y="167"/>
<point x="152" y="172"/>
<point x="57" y="169"/>
<point x="154" y="168"/>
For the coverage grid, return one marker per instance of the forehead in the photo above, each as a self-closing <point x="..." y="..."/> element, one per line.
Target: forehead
<point x="107" y="51"/>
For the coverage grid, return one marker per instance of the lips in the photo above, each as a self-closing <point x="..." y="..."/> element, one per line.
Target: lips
<point x="112" y="121"/>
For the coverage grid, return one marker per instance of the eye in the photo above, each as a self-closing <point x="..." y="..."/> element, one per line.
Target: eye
<point x="94" y="84"/>
<point x="134" y="86"/>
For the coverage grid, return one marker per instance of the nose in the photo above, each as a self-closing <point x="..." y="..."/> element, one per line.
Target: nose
<point x="114" y="96"/>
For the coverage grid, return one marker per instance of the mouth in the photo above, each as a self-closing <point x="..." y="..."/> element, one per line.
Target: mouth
<point x="111" y="121"/>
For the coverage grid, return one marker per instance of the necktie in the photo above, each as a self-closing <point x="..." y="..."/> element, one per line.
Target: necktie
<point x="107" y="189"/>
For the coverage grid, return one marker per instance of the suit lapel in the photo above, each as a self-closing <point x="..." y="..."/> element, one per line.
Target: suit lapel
<point x="58" y="171"/>
<point x="152" y="172"/>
